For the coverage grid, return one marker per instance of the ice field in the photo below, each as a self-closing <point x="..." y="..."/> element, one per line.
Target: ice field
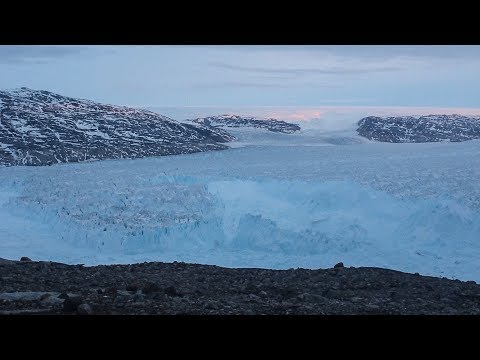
<point x="274" y="200"/>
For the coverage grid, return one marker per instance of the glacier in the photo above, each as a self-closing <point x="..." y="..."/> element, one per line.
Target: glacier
<point x="273" y="201"/>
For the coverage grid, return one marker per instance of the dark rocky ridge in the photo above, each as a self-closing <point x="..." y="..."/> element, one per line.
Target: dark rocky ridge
<point x="42" y="128"/>
<point x="215" y="133"/>
<point x="179" y="288"/>
<point x="236" y="121"/>
<point x="419" y="129"/>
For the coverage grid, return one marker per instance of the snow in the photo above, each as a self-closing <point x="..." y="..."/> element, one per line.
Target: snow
<point x="275" y="202"/>
<point x="55" y="128"/>
<point x="309" y="137"/>
<point x="82" y="125"/>
<point x="96" y="132"/>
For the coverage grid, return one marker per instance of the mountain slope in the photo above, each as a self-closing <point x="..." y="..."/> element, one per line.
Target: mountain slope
<point x="216" y="133"/>
<point x="38" y="127"/>
<point x="410" y="129"/>
<point x="236" y="121"/>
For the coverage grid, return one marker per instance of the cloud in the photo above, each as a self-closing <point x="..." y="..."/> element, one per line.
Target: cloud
<point x="262" y="84"/>
<point x="234" y="84"/>
<point x="307" y="71"/>
<point x="28" y="54"/>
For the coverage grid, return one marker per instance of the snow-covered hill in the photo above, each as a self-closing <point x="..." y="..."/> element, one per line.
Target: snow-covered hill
<point x="411" y="129"/>
<point x="236" y="121"/>
<point x="216" y="133"/>
<point x="38" y="127"/>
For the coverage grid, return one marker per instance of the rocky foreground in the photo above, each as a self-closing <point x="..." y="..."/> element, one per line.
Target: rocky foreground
<point x="28" y="287"/>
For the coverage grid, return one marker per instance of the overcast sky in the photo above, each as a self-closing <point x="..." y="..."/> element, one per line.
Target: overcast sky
<point x="249" y="76"/>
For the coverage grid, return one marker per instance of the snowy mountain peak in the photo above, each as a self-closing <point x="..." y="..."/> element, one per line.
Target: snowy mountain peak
<point x="38" y="127"/>
<point x="237" y="121"/>
<point x="415" y="129"/>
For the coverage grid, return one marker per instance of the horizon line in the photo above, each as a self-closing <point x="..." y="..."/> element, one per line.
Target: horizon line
<point x="307" y="106"/>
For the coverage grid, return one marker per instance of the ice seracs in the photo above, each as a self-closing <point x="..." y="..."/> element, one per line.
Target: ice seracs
<point x="408" y="207"/>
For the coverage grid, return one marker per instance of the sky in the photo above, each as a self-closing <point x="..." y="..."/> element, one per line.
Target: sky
<point x="293" y="82"/>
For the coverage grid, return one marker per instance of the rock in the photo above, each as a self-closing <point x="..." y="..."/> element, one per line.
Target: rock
<point x="25" y="312"/>
<point x="111" y="290"/>
<point x="71" y="304"/>
<point x="45" y="296"/>
<point x="470" y="295"/>
<point x="99" y="291"/>
<point x="211" y="306"/>
<point x="449" y="310"/>
<point x="158" y="296"/>
<point x="339" y="265"/>
<point x="25" y="295"/>
<point x="171" y="291"/>
<point x="6" y="261"/>
<point x="138" y="297"/>
<point x="84" y="309"/>
<point x="150" y="287"/>
<point x="132" y="287"/>
<point x="254" y="297"/>
<point x="24" y="258"/>
<point x="52" y="301"/>
<point x="305" y="297"/>
<point x="63" y="296"/>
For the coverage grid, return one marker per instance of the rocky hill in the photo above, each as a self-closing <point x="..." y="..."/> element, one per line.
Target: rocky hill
<point x="418" y="129"/>
<point x="39" y="127"/>
<point x="236" y="121"/>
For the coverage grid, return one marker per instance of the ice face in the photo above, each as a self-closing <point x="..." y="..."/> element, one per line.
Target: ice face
<point x="410" y="207"/>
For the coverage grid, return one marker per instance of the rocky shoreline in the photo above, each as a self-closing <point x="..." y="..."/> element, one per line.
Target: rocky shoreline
<point x="43" y="287"/>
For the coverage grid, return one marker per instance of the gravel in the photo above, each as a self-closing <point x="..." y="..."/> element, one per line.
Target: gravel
<point x="32" y="287"/>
